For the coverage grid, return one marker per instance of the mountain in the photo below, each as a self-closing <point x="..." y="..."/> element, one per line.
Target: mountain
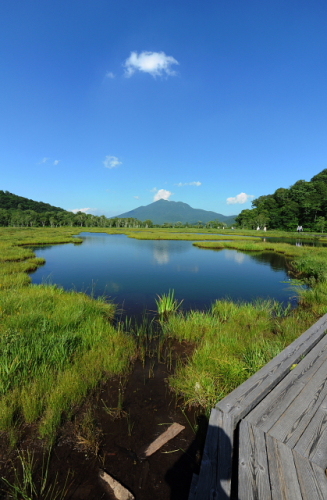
<point x="162" y="211"/>
<point x="13" y="201"/>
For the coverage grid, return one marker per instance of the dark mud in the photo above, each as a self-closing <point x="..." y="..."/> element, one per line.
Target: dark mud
<point x="109" y="433"/>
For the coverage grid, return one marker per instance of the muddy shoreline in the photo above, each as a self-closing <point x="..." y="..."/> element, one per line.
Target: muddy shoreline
<point x="108" y="432"/>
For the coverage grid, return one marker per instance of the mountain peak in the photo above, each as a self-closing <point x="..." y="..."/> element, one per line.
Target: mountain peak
<point x="162" y="211"/>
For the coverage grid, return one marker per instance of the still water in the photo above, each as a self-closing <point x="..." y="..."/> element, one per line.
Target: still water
<point x="132" y="272"/>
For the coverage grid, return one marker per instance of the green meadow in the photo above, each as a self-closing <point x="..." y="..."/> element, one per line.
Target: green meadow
<point x="56" y="346"/>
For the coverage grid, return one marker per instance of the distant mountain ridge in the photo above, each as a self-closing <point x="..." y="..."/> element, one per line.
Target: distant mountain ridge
<point x="162" y="211"/>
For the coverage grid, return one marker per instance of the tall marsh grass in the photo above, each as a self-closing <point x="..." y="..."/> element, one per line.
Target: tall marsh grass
<point x="167" y="304"/>
<point x="54" y="345"/>
<point x="232" y="342"/>
<point x="32" y="479"/>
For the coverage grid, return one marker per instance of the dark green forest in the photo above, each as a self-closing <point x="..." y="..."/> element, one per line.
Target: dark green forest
<point x="302" y="204"/>
<point x="10" y="201"/>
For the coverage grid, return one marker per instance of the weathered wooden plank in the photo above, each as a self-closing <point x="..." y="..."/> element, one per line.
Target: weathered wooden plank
<point x="313" y="442"/>
<point x="225" y="456"/>
<point x="207" y="483"/>
<point x="303" y="378"/>
<point x="320" y="479"/>
<point x="253" y="467"/>
<point x="282" y="471"/>
<point x="172" y="431"/>
<point x="244" y="398"/>
<point x="274" y="468"/>
<point x="216" y="468"/>
<point x="252" y="391"/>
<point x="291" y="488"/>
<point x="309" y="485"/>
<point x="298" y="418"/>
<point x="119" y="491"/>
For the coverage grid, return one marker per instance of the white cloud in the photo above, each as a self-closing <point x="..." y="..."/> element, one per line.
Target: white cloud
<point x="240" y="198"/>
<point x="162" y="194"/>
<point x="85" y="210"/>
<point x="153" y="190"/>
<point x="137" y="197"/>
<point x="195" y="183"/>
<point x="112" y="162"/>
<point x="56" y="162"/>
<point x="154" y="63"/>
<point x="44" y="160"/>
<point x="110" y="74"/>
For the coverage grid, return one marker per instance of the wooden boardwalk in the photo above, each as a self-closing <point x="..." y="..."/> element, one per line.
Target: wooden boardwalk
<point x="267" y="440"/>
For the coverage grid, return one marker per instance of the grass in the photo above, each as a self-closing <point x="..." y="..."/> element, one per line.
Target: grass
<point x="56" y="346"/>
<point x="171" y="234"/>
<point x="31" y="479"/>
<point x="232" y="342"/>
<point x="88" y="433"/>
<point x="167" y="304"/>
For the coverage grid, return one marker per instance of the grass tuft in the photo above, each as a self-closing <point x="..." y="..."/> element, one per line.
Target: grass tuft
<point x="167" y="304"/>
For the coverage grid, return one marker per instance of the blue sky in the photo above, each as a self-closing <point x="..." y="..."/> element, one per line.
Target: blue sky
<point x="108" y="105"/>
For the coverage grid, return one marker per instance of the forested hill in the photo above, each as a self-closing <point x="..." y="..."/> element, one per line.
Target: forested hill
<point x="304" y="203"/>
<point x="12" y="201"/>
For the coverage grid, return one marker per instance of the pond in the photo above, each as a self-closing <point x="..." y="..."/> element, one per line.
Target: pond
<point x="132" y="272"/>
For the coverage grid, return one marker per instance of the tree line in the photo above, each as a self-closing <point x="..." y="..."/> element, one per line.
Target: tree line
<point x="31" y="218"/>
<point x="18" y="211"/>
<point x="303" y="204"/>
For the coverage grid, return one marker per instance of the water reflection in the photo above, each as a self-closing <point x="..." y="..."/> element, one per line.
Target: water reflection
<point x="299" y="242"/>
<point x="276" y="261"/>
<point x="236" y="256"/>
<point x="161" y="252"/>
<point x="132" y="272"/>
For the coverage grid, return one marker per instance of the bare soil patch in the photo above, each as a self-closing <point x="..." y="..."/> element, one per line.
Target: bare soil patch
<point x="109" y="433"/>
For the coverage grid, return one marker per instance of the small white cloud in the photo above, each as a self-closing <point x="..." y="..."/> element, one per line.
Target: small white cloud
<point x="153" y="190"/>
<point x="56" y="162"/>
<point x="137" y="197"/>
<point x="162" y="194"/>
<point x="195" y="183"/>
<point x="84" y="210"/>
<point x="154" y="63"/>
<point x="240" y="198"/>
<point x="112" y="162"/>
<point x="44" y="160"/>
<point x="111" y="75"/>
